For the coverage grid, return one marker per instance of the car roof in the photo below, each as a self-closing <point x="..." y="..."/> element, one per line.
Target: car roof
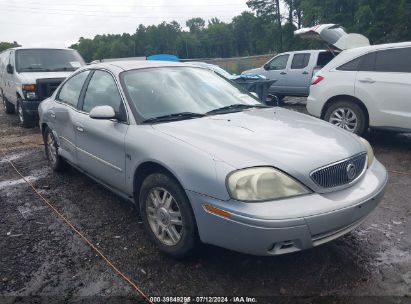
<point x="136" y="64"/>
<point x="38" y="48"/>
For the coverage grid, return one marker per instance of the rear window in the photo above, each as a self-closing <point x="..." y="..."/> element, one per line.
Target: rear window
<point x="393" y="60"/>
<point x="325" y="57"/>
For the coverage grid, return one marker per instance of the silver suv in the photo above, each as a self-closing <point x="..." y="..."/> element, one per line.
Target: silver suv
<point x="29" y="75"/>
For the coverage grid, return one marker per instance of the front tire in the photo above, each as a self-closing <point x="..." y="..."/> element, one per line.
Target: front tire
<point x="56" y="162"/>
<point x="7" y="105"/>
<point x="167" y="215"/>
<point x="26" y="120"/>
<point x="348" y="116"/>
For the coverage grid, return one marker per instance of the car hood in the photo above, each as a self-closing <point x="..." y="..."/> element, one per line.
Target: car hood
<point x="31" y="77"/>
<point x="293" y="142"/>
<point x="335" y="35"/>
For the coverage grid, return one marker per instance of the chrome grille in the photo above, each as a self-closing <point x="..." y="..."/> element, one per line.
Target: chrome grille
<point x="338" y="174"/>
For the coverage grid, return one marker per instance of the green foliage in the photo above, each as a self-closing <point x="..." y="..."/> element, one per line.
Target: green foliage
<point x="7" y="45"/>
<point x="268" y="28"/>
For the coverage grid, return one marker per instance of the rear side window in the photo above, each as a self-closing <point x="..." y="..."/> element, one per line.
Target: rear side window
<point x="351" y="65"/>
<point x="300" y="61"/>
<point x="70" y="92"/>
<point x="393" y="60"/>
<point x="362" y="63"/>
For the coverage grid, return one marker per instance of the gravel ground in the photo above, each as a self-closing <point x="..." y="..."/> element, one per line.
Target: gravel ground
<point x="42" y="258"/>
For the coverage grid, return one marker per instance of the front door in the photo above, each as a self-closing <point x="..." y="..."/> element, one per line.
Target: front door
<point x="276" y="69"/>
<point x="100" y="143"/>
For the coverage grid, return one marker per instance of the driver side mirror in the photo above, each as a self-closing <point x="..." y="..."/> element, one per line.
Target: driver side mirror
<point x="266" y="66"/>
<point x="10" y="69"/>
<point x="102" y="112"/>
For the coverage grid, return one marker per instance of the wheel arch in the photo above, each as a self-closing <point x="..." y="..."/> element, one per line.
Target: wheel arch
<point x="145" y="169"/>
<point x="350" y="98"/>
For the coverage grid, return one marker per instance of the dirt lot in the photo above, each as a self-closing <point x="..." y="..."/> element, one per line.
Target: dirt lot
<point x="42" y="258"/>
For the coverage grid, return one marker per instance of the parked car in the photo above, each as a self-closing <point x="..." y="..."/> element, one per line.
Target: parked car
<point x="29" y="75"/>
<point x="293" y="71"/>
<point x="203" y="159"/>
<point x="368" y="86"/>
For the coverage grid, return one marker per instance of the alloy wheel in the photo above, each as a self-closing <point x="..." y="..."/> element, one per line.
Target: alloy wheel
<point x="164" y="216"/>
<point x="344" y="118"/>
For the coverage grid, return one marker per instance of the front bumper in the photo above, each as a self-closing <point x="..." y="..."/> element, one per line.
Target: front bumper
<point x="30" y="106"/>
<point x="283" y="226"/>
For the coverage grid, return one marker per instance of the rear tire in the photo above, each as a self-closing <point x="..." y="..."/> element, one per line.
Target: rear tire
<point x="7" y="106"/>
<point x="26" y="120"/>
<point x="348" y="116"/>
<point x="56" y="162"/>
<point x="167" y="216"/>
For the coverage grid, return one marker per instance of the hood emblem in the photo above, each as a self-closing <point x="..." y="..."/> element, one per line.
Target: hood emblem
<point x="351" y="171"/>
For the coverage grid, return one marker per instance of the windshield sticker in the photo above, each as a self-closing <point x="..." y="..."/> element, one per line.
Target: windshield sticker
<point x="75" y="64"/>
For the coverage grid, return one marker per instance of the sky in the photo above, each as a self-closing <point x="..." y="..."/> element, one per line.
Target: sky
<point x="60" y="23"/>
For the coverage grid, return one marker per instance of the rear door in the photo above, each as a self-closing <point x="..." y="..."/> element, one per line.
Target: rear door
<point x="300" y="73"/>
<point x="100" y="143"/>
<point x="384" y="84"/>
<point x="62" y="115"/>
<point x="277" y="69"/>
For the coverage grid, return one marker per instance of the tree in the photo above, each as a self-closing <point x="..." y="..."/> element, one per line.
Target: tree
<point x="271" y="12"/>
<point x="7" y="45"/>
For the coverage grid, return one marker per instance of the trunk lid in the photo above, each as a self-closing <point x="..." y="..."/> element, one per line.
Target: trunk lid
<point x="335" y="35"/>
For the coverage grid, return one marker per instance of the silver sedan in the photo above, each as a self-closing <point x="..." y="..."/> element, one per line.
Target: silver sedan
<point x="204" y="160"/>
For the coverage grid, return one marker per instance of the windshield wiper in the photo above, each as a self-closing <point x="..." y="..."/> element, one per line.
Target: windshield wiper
<point x="234" y="108"/>
<point x="63" y="69"/>
<point x="174" y="117"/>
<point x="34" y="69"/>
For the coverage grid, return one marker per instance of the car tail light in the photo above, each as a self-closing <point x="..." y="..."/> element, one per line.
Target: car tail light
<point x="317" y="79"/>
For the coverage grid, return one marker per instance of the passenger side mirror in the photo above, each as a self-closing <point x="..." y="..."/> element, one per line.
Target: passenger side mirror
<point x="266" y="66"/>
<point x="102" y="112"/>
<point x="10" y="69"/>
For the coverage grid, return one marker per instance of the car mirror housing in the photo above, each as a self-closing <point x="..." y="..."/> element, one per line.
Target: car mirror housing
<point x="10" y="69"/>
<point x="266" y="66"/>
<point x="102" y="112"/>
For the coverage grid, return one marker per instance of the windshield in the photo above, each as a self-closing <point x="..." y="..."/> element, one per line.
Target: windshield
<point x="34" y="60"/>
<point x="157" y="92"/>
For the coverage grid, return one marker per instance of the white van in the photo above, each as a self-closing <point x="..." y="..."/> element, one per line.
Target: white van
<point x="29" y="75"/>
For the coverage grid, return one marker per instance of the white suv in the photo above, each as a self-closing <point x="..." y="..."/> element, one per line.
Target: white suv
<point x="365" y="87"/>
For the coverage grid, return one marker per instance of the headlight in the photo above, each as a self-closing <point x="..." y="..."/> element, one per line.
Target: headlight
<point x="262" y="184"/>
<point x="29" y="91"/>
<point x="370" y="152"/>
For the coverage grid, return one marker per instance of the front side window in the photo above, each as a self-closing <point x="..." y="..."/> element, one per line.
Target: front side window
<point x="300" y="61"/>
<point x="70" y="92"/>
<point x="102" y="91"/>
<point x="393" y="60"/>
<point x="35" y="60"/>
<point x="279" y="62"/>
<point x="168" y="90"/>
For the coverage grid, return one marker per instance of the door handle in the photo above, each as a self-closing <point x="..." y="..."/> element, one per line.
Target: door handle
<point x="305" y="72"/>
<point x="52" y="115"/>
<point x="283" y="73"/>
<point x="367" y="80"/>
<point x="80" y="129"/>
